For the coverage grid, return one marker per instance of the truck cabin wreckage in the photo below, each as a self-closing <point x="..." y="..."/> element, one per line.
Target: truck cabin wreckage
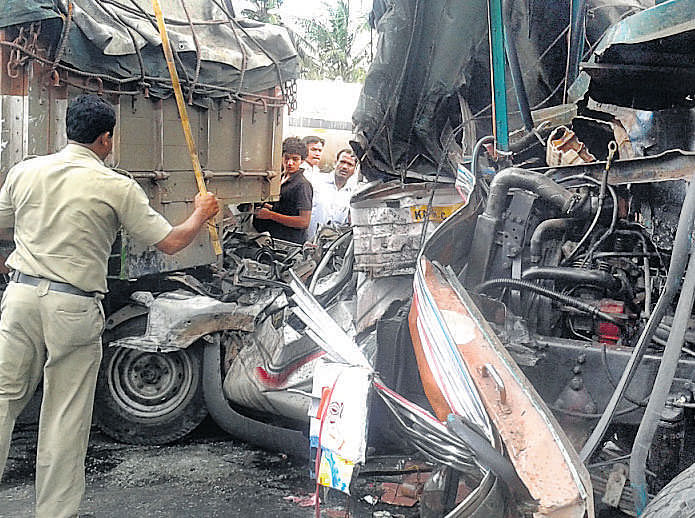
<point x="511" y="308"/>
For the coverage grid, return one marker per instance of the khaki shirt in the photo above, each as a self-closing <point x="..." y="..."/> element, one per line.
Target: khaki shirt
<point x="66" y="210"/>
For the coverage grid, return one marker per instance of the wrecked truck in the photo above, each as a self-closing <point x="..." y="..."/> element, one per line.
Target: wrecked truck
<point x="237" y="75"/>
<point x="193" y="334"/>
<point x="545" y="316"/>
<point x="554" y="311"/>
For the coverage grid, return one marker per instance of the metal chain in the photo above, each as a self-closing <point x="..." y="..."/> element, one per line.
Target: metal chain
<point x="18" y="58"/>
<point x="291" y="95"/>
<point x="15" y="60"/>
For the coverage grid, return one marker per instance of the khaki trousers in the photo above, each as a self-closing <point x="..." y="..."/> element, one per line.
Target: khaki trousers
<point x="57" y="336"/>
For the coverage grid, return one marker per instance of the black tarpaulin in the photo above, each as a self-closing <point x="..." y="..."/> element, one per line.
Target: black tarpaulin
<point x="427" y="94"/>
<point x="121" y="40"/>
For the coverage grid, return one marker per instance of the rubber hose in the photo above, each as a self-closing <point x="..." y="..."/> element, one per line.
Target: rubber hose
<point x="664" y="330"/>
<point x="660" y="391"/>
<point x="488" y="456"/>
<point x="576" y="41"/>
<point x="486" y="225"/>
<point x="291" y="442"/>
<point x="573" y="275"/>
<point x="679" y="258"/>
<point x="537" y="183"/>
<point x="547" y="292"/>
<point x="548" y="226"/>
<point x="476" y="151"/>
<point x="515" y="69"/>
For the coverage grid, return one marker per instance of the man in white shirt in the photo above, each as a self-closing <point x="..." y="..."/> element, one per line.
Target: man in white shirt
<point x="331" y="203"/>
<point x="314" y="150"/>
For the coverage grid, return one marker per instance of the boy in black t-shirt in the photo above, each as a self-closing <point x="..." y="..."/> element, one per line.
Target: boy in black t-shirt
<point x="289" y="218"/>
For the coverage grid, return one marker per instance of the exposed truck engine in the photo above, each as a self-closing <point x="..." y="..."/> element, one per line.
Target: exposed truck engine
<point x="560" y="297"/>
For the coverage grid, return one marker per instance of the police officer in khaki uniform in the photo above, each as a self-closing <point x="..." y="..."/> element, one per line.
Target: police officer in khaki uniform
<point x="66" y="209"/>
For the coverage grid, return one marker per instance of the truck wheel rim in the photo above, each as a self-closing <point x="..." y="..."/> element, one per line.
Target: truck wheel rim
<point x="150" y="385"/>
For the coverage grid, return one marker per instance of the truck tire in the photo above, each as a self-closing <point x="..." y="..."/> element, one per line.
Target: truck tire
<point x="148" y="398"/>
<point x="676" y="499"/>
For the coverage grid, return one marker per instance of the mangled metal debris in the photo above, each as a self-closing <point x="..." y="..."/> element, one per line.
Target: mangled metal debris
<point x="176" y="319"/>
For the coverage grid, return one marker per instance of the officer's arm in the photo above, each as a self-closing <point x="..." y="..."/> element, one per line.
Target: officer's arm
<point x="182" y="235"/>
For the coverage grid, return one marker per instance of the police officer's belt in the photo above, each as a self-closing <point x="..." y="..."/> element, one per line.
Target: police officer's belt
<point x="63" y="287"/>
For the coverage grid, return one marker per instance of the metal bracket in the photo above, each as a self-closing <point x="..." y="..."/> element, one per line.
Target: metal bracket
<point x="513" y="234"/>
<point x="615" y="485"/>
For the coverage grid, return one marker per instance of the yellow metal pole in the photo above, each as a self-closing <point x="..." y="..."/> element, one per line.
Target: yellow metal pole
<point x="185" y="122"/>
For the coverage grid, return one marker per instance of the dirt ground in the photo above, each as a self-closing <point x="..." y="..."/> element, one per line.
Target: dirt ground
<point x="206" y="475"/>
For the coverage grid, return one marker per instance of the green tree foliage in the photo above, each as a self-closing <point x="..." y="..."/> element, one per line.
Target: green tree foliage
<point x="330" y="45"/>
<point x="334" y="46"/>
<point x="263" y="11"/>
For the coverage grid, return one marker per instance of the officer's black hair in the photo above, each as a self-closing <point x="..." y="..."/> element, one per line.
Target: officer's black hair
<point x="89" y="116"/>
<point x="294" y="146"/>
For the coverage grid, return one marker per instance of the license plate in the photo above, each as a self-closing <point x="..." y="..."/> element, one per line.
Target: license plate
<point x="437" y="214"/>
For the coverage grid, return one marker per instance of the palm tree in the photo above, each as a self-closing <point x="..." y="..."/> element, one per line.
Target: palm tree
<point x="335" y="49"/>
<point x="329" y="46"/>
<point x="263" y="11"/>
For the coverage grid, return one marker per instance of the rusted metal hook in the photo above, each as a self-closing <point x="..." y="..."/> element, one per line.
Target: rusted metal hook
<point x="12" y="68"/>
<point x="99" y="82"/>
<point x="55" y="78"/>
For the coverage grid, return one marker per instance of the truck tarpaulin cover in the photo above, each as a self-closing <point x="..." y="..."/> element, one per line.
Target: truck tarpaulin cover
<point x="120" y="40"/>
<point x="431" y="76"/>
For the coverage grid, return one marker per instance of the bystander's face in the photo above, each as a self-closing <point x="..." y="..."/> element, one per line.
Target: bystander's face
<point x="291" y="162"/>
<point x="314" y="151"/>
<point x="344" y="169"/>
